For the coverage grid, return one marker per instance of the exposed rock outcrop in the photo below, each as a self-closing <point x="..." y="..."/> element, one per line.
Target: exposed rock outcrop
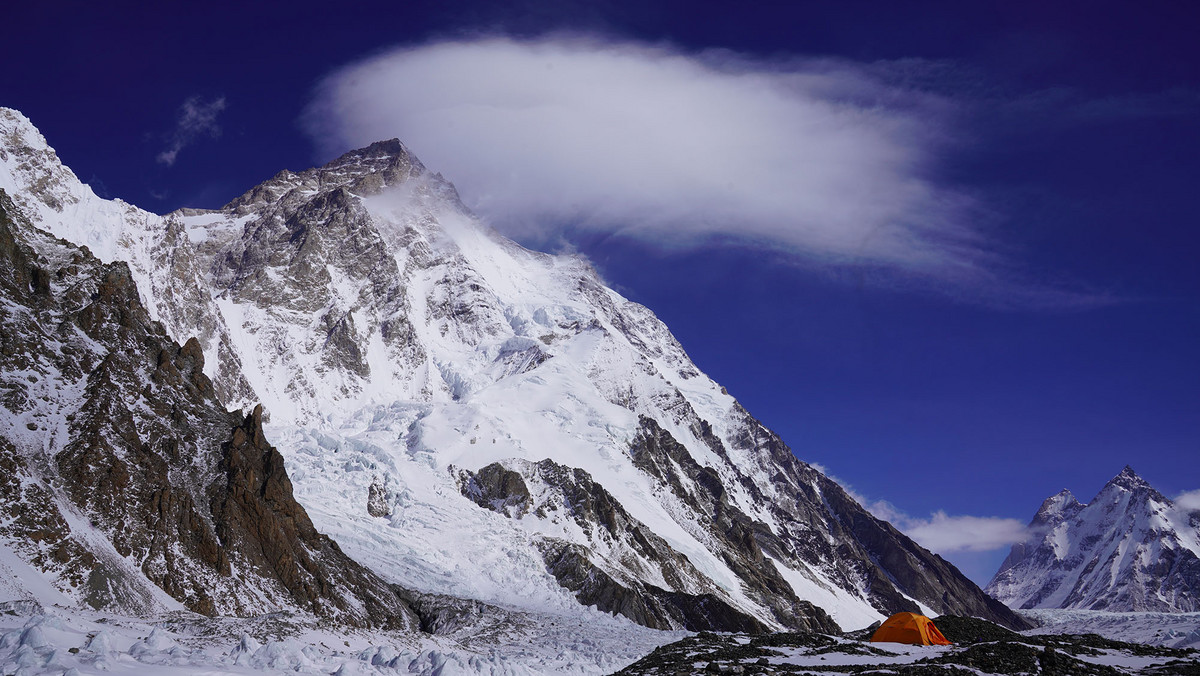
<point x="610" y="574"/>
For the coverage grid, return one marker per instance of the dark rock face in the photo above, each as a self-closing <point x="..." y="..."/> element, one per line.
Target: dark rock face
<point x="620" y="588"/>
<point x="822" y="527"/>
<point x="180" y="492"/>
<point x="257" y="517"/>
<point x="377" y="500"/>
<point x="499" y="489"/>
<point x="643" y="603"/>
<point x="656" y="452"/>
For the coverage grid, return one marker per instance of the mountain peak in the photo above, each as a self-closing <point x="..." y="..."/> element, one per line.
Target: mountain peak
<point x="364" y="291"/>
<point x="1129" y="480"/>
<point x="1057" y="508"/>
<point x="378" y="155"/>
<point x="390" y="160"/>
<point x="1123" y="551"/>
<point x="364" y="171"/>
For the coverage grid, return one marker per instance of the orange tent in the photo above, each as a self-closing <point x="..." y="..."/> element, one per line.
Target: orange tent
<point x="909" y="628"/>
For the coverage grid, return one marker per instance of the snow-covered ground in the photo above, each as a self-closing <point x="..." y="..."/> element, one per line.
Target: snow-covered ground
<point x="36" y="640"/>
<point x="1173" y="630"/>
<point x="810" y="653"/>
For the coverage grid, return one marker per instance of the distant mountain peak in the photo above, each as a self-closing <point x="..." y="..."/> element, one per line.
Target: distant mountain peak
<point x="1129" y="480"/>
<point x="1129" y="549"/>
<point x="1054" y="509"/>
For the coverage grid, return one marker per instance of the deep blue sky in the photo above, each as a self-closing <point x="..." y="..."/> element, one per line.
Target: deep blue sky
<point x="924" y="400"/>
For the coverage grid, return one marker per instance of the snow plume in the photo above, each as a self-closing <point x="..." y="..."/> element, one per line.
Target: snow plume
<point x="1189" y="501"/>
<point x="820" y="157"/>
<point x="197" y="119"/>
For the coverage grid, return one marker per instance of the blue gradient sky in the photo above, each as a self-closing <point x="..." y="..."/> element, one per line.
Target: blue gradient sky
<point x="1076" y="129"/>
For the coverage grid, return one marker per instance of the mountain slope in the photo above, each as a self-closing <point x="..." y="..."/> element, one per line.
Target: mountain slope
<point x="474" y="419"/>
<point x="1129" y="549"/>
<point x="124" y="470"/>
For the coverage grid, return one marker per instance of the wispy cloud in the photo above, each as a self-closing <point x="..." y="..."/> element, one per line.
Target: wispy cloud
<point x="947" y="534"/>
<point x="822" y="157"/>
<point x="1189" y="501"/>
<point x="197" y="119"/>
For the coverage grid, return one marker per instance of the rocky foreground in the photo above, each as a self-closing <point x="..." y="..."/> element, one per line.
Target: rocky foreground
<point x="980" y="647"/>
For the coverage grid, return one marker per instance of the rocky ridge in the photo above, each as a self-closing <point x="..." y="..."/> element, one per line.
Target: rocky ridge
<point x="157" y="251"/>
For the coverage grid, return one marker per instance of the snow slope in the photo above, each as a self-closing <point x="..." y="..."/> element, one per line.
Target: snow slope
<point x="52" y="641"/>
<point x="1173" y="630"/>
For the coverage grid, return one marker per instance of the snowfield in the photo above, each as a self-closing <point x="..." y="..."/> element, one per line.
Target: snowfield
<point x="37" y="640"/>
<point x="1173" y="630"/>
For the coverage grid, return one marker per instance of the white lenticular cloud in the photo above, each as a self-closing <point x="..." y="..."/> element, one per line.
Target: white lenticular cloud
<point x="819" y="157"/>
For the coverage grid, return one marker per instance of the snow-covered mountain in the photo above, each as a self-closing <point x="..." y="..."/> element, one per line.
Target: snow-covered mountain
<point x="471" y="419"/>
<point x="1129" y="549"/>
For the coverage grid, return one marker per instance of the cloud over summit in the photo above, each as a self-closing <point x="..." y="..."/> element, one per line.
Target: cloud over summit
<point x="819" y="157"/>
